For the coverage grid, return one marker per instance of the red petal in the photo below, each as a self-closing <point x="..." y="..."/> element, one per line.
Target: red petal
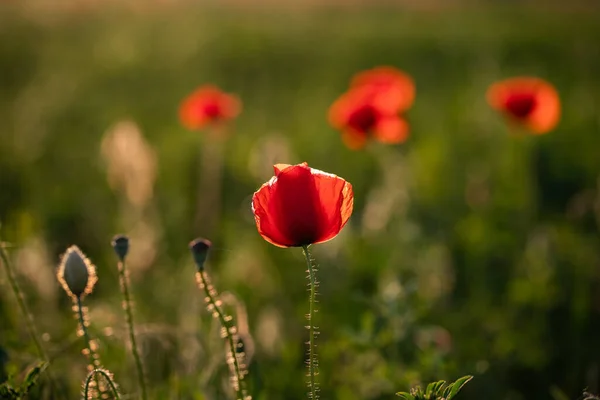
<point x="546" y="115"/>
<point x="391" y="130"/>
<point x="190" y="114"/>
<point x="266" y="221"/>
<point x="230" y="106"/>
<point x="353" y="139"/>
<point x="280" y="167"/>
<point x="337" y="200"/>
<point x="396" y="88"/>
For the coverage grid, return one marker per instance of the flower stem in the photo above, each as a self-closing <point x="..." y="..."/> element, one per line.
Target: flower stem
<point x="208" y="202"/>
<point x="229" y="332"/>
<point x="129" y="318"/>
<point x="91" y="352"/>
<point x="312" y="353"/>
<point x="107" y="376"/>
<point x="29" y="322"/>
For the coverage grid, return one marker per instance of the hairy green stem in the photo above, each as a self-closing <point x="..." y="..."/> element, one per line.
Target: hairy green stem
<point x="312" y="354"/>
<point x="29" y="322"/>
<point x="94" y="375"/>
<point x="228" y="329"/>
<point x="129" y="318"/>
<point x="88" y="342"/>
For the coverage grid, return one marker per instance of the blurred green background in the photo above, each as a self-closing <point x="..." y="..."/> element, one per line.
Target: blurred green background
<point x="473" y="249"/>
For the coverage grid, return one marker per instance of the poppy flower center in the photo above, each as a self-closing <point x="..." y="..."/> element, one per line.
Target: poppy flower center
<point x="363" y="119"/>
<point x="521" y="105"/>
<point x="212" y="110"/>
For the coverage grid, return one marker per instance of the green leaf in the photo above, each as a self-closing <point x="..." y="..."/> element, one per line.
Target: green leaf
<point x="437" y="387"/>
<point x="436" y="390"/>
<point x="457" y="386"/>
<point x="7" y="392"/>
<point x="429" y="390"/>
<point x="32" y="376"/>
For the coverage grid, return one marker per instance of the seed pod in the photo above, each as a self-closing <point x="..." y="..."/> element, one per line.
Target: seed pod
<point x="199" y="248"/>
<point x="76" y="273"/>
<point x="120" y="244"/>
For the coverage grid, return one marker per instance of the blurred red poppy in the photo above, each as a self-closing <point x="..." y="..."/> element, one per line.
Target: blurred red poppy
<point x="208" y="105"/>
<point x="528" y="101"/>
<point x="301" y="206"/>
<point x="371" y="107"/>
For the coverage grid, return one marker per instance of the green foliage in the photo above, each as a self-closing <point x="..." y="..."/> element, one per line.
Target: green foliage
<point x="436" y="390"/>
<point x="13" y="390"/>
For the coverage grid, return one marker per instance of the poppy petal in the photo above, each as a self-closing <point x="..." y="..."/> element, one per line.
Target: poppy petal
<point x="266" y="222"/>
<point x="353" y="139"/>
<point x="337" y="200"/>
<point x="280" y="167"/>
<point x="546" y="115"/>
<point x="230" y="106"/>
<point x="190" y="116"/>
<point x="296" y="204"/>
<point x="396" y="88"/>
<point x="391" y="130"/>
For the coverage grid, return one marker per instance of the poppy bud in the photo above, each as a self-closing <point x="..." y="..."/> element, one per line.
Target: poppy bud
<point x="76" y="273"/>
<point x="120" y="244"/>
<point x="199" y="248"/>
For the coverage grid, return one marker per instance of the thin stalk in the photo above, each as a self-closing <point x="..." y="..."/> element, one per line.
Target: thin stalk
<point x="88" y="342"/>
<point x="129" y="318"/>
<point x="29" y="322"/>
<point x="208" y="198"/>
<point x="214" y="306"/>
<point x="94" y="375"/>
<point x="312" y="353"/>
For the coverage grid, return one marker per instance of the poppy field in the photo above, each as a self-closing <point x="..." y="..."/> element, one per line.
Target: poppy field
<point x="298" y="201"/>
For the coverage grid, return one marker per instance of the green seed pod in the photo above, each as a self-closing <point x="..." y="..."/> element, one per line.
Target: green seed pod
<point x="120" y="244"/>
<point x="199" y="248"/>
<point x="76" y="273"/>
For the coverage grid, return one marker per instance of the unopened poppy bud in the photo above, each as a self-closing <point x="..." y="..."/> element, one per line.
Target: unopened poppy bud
<point x="199" y="248"/>
<point x="120" y="244"/>
<point x="76" y="273"/>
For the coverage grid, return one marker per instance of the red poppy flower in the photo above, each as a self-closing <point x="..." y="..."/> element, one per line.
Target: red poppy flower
<point x="301" y="206"/>
<point x="360" y="114"/>
<point x="371" y="107"/>
<point x="531" y="102"/>
<point x="208" y="104"/>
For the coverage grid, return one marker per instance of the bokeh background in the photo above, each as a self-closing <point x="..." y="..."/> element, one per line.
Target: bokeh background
<point x="473" y="248"/>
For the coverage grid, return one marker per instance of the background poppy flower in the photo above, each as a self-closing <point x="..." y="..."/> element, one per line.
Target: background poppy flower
<point x="208" y="104"/>
<point x="531" y="102"/>
<point x="301" y="206"/>
<point x="371" y="107"/>
<point x="362" y="112"/>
